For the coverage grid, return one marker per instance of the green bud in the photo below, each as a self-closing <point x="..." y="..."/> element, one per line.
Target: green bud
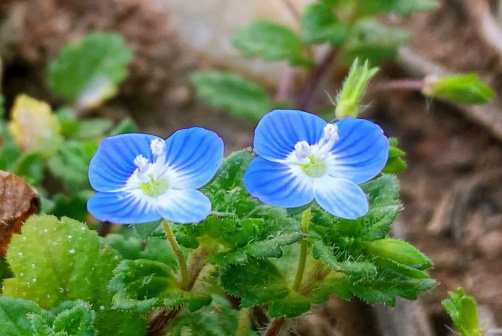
<point x="395" y="164"/>
<point x="399" y="251"/>
<point x="347" y="102"/>
<point x="463" y="88"/>
<point x="463" y="312"/>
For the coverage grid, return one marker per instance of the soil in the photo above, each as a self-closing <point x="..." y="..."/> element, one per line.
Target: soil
<point x="451" y="189"/>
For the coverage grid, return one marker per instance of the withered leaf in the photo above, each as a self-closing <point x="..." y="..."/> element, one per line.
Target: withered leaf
<point x="17" y="202"/>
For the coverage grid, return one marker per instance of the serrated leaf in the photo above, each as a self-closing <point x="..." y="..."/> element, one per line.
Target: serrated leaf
<point x="241" y="97"/>
<point x="20" y="317"/>
<point x="256" y="282"/>
<point x="272" y="42"/>
<point x="353" y="89"/>
<point x="217" y="319"/>
<point x="353" y="269"/>
<point x="463" y="88"/>
<point x="463" y="312"/>
<point x="67" y="266"/>
<point x="335" y="283"/>
<point x="320" y="25"/>
<point x="88" y="73"/>
<point x="373" y="41"/>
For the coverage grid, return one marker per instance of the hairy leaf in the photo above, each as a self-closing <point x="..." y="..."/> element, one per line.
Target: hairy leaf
<point x="272" y="42"/>
<point x="463" y="312"/>
<point x="395" y="162"/>
<point x="239" y="96"/>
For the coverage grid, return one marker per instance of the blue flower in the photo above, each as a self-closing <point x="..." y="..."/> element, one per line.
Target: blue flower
<point x="142" y="178"/>
<point x="302" y="158"/>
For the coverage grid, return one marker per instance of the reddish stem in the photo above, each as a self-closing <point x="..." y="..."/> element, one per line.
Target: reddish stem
<point x="276" y="327"/>
<point x="307" y="89"/>
<point x="398" y="84"/>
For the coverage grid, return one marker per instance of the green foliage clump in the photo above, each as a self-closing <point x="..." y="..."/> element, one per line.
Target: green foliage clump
<point x="463" y="312"/>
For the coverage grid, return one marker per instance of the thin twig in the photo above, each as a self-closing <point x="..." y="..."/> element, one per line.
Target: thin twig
<point x="399" y="84"/>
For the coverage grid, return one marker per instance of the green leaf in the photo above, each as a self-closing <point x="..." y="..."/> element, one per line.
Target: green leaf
<point x="395" y="164"/>
<point x="72" y="162"/>
<point x="387" y="285"/>
<point x="290" y="306"/>
<point x="217" y="319"/>
<point x="399" y="251"/>
<point x="93" y="128"/>
<point x="463" y="312"/>
<point x="272" y="42"/>
<point x="9" y="154"/>
<point x="320" y="25"/>
<point x="257" y="282"/>
<point x="68" y="121"/>
<point x="373" y="41"/>
<point x="140" y="284"/>
<point x="14" y="316"/>
<point x="127" y="125"/>
<point x="463" y="88"/>
<point x="67" y="266"/>
<point x="89" y="72"/>
<point x="24" y="317"/>
<point x="73" y="206"/>
<point x="403" y="7"/>
<point x="30" y="167"/>
<point x="353" y="89"/>
<point x="242" y="98"/>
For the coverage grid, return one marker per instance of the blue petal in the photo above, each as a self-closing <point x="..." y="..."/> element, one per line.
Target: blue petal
<point x="278" y="132"/>
<point x="122" y="207"/>
<point x="195" y="155"/>
<point x="184" y="206"/>
<point x="113" y="162"/>
<point x="339" y="197"/>
<point x="278" y="184"/>
<point x="360" y="153"/>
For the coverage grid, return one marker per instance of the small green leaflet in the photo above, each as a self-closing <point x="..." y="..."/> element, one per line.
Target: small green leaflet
<point x="463" y="88"/>
<point x="271" y="41"/>
<point x="88" y="73"/>
<point x="320" y="25"/>
<point x="463" y="312"/>
<point x="240" y="97"/>
<point x="403" y="7"/>
<point x="20" y="317"/>
<point x="395" y="162"/>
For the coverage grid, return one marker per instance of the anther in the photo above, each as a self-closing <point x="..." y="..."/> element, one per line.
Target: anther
<point x="158" y="147"/>
<point x="142" y="163"/>
<point x="302" y="150"/>
<point x="331" y="132"/>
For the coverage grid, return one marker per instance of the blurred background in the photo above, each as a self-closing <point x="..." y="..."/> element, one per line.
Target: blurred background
<point x="451" y="189"/>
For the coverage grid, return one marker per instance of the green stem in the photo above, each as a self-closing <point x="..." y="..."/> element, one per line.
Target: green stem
<point x="303" y="250"/>
<point x="179" y="255"/>
<point x="242" y="329"/>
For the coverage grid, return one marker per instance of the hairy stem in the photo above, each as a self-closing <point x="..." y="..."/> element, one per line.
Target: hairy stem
<point x="303" y="250"/>
<point x="399" y="84"/>
<point x="179" y="255"/>
<point x="276" y="327"/>
<point x="243" y="321"/>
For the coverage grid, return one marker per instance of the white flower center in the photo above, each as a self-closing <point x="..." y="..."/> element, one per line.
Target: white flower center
<point x="312" y="158"/>
<point x="150" y="176"/>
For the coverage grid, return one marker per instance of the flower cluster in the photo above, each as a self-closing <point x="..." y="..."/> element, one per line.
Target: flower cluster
<point x="142" y="178"/>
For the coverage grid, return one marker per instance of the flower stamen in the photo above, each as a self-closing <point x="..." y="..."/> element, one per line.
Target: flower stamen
<point x="142" y="163"/>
